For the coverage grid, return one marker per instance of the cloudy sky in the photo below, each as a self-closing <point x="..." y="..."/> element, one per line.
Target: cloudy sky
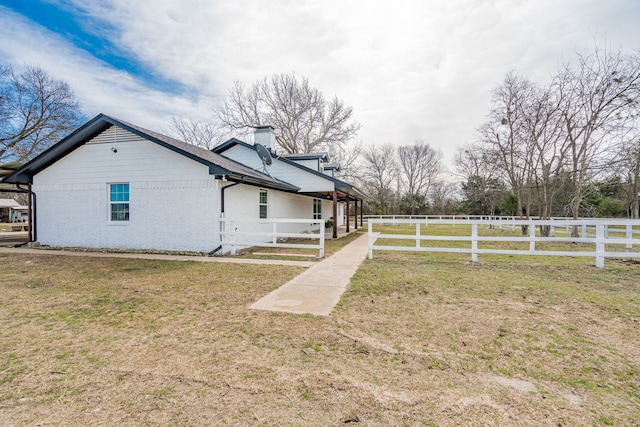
<point x="411" y="69"/>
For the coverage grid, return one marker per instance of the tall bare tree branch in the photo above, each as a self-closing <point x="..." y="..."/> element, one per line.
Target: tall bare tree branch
<point x="304" y="121"/>
<point x="35" y="112"/>
<point x="419" y="168"/>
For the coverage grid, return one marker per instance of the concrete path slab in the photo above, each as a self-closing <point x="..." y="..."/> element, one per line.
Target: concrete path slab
<point x="164" y="257"/>
<point x="318" y="289"/>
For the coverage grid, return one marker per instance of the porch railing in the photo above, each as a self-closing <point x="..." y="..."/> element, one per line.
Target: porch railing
<point x="241" y="233"/>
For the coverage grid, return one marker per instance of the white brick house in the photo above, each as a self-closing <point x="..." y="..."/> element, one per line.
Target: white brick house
<point x="111" y="184"/>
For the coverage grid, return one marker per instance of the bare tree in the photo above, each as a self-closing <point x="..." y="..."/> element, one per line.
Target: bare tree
<point x="379" y="173"/>
<point x="473" y="160"/>
<point x="35" y="112"/>
<point x="347" y="156"/>
<point x="595" y="95"/>
<point x="205" y="135"/>
<point x="546" y="148"/>
<point x="632" y="157"/>
<point x="627" y="159"/>
<point x="443" y="197"/>
<point x="547" y="142"/>
<point x="304" y="121"/>
<point x="505" y="138"/>
<point x="420" y="165"/>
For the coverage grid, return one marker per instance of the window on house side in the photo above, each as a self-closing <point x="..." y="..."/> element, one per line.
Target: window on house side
<point x="317" y="209"/>
<point x="263" y="203"/>
<point x="119" y="202"/>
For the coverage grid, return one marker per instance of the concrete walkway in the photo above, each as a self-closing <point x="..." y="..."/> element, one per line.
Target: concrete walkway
<point x="318" y="289"/>
<point x="163" y="257"/>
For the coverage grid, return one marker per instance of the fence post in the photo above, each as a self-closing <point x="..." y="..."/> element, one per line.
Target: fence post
<point x="233" y="241"/>
<point x="629" y="235"/>
<point x="417" y="235"/>
<point x="474" y="242"/>
<point x="584" y="231"/>
<point x="532" y="237"/>
<point x="370" y="228"/>
<point x="600" y="236"/>
<point x="321" y="254"/>
<point x="274" y="240"/>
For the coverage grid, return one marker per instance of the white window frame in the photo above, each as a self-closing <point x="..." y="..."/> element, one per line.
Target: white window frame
<point x="264" y="204"/>
<point x="317" y="214"/>
<point x="112" y="203"/>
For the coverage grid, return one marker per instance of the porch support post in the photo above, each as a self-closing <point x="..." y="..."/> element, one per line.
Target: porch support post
<point x="355" y="216"/>
<point x="29" y="214"/>
<point x="335" y="214"/>
<point x="361" y="215"/>
<point x="348" y="212"/>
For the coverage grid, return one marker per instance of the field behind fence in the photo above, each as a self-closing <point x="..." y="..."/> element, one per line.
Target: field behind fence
<point x="597" y="239"/>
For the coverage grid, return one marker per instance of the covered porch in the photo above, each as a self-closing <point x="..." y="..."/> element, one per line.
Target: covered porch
<point x="353" y="200"/>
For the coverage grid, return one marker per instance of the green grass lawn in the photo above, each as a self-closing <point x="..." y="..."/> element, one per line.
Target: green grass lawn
<point x="419" y="339"/>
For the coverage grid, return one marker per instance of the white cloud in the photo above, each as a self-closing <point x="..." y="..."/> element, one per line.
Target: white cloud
<point x="99" y="88"/>
<point x="411" y="69"/>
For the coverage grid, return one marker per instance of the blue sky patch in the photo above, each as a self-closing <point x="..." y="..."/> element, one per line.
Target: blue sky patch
<point x="89" y="34"/>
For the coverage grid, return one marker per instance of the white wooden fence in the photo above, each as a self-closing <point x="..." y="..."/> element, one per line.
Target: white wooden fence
<point x="236" y="234"/>
<point x="606" y="232"/>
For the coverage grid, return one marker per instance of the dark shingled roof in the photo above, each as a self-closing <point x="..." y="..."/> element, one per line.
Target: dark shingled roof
<point x="218" y="165"/>
<point x="339" y="185"/>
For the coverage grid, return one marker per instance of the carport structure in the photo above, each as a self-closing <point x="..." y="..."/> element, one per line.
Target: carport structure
<point x="5" y="170"/>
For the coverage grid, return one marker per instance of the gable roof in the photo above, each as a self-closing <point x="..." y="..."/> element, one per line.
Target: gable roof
<point x="218" y="165"/>
<point x="339" y="185"/>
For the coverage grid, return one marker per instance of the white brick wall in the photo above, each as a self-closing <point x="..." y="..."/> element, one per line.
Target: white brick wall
<point x="174" y="202"/>
<point x="241" y="203"/>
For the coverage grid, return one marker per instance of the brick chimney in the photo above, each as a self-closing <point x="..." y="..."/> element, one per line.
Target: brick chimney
<point x="264" y="136"/>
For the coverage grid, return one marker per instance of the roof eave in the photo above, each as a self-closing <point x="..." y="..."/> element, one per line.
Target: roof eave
<point x="24" y="175"/>
<point x="274" y="185"/>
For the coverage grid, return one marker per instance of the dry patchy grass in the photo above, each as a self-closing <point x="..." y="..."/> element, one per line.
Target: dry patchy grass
<point x="418" y="340"/>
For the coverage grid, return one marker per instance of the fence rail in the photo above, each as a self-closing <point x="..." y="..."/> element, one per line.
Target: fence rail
<point x="232" y="238"/>
<point x="503" y="218"/>
<point x="607" y="232"/>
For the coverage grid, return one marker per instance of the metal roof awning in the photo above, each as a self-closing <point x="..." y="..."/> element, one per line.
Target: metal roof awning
<point x="6" y="170"/>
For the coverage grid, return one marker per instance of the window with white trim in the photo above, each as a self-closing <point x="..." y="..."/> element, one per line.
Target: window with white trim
<point x="119" y="202"/>
<point x="317" y="209"/>
<point x="263" y="203"/>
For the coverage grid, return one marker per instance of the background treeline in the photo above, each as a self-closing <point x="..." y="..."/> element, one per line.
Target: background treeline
<point x="567" y="147"/>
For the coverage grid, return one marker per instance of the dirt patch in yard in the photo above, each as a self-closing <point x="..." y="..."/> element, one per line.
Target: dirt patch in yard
<point x="417" y="340"/>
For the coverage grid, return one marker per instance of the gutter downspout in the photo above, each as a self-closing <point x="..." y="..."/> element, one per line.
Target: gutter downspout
<point x="222" y="212"/>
